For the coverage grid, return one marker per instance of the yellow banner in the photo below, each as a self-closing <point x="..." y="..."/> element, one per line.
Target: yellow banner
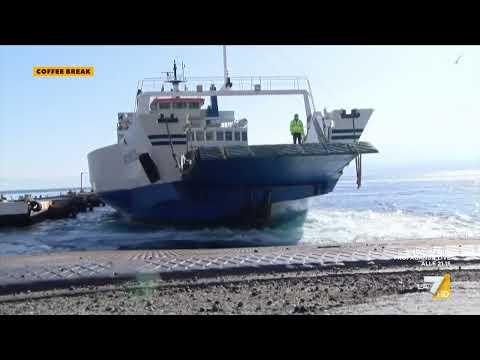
<point x="63" y="71"/>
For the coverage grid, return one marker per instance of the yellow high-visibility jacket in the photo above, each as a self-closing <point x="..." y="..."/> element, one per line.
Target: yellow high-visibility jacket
<point x="296" y="127"/>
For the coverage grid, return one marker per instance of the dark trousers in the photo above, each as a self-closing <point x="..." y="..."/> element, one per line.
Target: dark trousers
<point x="297" y="137"/>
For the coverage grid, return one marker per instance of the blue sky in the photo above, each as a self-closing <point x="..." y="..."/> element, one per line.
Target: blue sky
<point x="427" y="113"/>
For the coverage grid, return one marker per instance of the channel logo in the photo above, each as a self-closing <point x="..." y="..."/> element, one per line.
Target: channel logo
<point x="440" y="286"/>
<point x="44" y="71"/>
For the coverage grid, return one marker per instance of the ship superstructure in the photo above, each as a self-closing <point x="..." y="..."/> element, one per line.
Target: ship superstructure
<point x="180" y="159"/>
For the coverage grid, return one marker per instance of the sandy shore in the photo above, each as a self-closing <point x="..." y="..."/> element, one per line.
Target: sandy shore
<point x="374" y="290"/>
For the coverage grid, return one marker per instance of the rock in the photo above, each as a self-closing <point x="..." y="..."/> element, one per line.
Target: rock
<point x="240" y="304"/>
<point x="269" y="302"/>
<point x="216" y="307"/>
<point x="300" y="309"/>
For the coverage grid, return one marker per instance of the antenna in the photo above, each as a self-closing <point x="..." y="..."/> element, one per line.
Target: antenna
<point x="175" y="81"/>
<point x="227" y="83"/>
<point x="225" y="71"/>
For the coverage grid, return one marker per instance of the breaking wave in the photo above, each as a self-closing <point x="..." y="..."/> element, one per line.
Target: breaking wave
<point x="379" y="211"/>
<point x="347" y="226"/>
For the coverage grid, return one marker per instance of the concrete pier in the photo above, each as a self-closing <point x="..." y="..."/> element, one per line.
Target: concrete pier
<point x="359" y="273"/>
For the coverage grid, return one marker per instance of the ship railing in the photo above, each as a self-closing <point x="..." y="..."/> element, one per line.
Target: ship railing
<point x="238" y="83"/>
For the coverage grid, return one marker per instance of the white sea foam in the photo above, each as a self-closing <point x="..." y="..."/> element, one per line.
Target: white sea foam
<point x="327" y="226"/>
<point x="349" y="226"/>
<point x="457" y="175"/>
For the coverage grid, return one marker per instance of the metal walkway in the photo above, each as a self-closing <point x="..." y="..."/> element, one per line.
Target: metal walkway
<point x="273" y="151"/>
<point x="61" y="269"/>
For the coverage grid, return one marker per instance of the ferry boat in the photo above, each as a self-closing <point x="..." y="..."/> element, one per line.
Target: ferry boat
<point x="179" y="160"/>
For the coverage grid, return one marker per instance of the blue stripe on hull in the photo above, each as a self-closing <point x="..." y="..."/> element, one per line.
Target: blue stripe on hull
<point x="223" y="191"/>
<point x="282" y="171"/>
<point x="180" y="202"/>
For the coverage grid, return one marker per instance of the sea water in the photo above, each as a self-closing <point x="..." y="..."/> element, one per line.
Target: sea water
<point x="383" y="209"/>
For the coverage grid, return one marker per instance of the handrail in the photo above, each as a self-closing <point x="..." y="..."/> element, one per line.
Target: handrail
<point x="234" y="77"/>
<point x="239" y="82"/>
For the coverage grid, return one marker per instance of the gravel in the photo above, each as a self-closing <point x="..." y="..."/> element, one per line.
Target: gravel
<point x="295" y="292"/>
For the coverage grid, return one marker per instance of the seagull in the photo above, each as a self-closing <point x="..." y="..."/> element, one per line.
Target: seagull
<point x="458" y="59"/>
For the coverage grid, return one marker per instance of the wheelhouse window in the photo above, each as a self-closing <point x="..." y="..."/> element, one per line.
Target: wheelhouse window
<point x="228" y="135"/>
<point x="164" y="105"/>
<point x="200" y="135"/>
<point x="167" y="119"/>
<point x="209" y="135"/>
<point x="244" y="136"/>
<point x="194" y="105"/>
<point x="220" y="136"/>
<point x="180" y="105"/>
<point x="237" y="136"/>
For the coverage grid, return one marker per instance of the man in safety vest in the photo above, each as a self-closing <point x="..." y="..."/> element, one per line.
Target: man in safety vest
<point x="296" y="129"/>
